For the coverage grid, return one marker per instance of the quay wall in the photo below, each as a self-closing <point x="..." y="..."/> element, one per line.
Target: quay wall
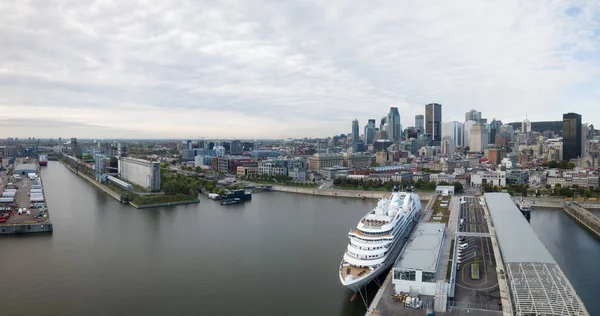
<point x="537" y="202"/>
<point x="165" y="204"/>
<point x="344" y="193"/>
<point x="110" y="192"/>
<point x="15" y="229"/>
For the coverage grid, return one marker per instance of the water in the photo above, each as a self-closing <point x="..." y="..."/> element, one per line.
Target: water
<point x="576" y="251"/>
<point x="276" y="255"/>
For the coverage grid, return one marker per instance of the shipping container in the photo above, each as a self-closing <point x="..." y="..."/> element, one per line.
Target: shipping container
<point x="7" y="199"/>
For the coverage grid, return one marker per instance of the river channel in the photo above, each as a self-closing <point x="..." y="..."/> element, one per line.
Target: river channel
<point x="275" y="255"/>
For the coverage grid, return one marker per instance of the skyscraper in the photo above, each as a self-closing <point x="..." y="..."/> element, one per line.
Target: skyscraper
<point x="526" y="127"/>
<point x="433" y="122"/>
<point x="355" y="134"/>
<point x="370" y="132"/>
<point x="467" y="133"/>
<point x="394" y="128"/>
<point x="473" y="116"/>
<point x="420" y="124"/>
<point x="382" y="123"/>
<point x="571" y="136"/>
<point x="478" y="138"/>
<point x="454" y="131"/>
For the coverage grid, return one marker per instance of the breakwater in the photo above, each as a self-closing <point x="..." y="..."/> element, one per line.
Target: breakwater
<point x="344" y="193"/>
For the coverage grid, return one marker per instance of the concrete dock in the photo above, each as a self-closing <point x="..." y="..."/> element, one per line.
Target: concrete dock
<point x="584" y="217"/>
<point x="16" y="223"/>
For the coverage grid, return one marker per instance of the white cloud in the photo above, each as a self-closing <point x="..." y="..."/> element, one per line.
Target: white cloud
<point x="280" y="69"/>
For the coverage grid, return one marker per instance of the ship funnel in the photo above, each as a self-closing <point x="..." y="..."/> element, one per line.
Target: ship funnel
<point x="409" y="188"/>
<point x="396" y="188"/>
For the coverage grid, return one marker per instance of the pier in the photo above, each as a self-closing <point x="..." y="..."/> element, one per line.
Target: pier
<point x="583" y="217"/>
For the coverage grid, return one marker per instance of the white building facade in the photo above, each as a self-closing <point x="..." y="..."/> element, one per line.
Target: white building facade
<point x="141" y="172"/>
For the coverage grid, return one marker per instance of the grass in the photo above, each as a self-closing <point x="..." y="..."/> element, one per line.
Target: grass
<point x="440" y="214"/>
<point x="449" y="270"/>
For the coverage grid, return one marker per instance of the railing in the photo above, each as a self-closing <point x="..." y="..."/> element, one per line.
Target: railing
<point x="481" y="306"/>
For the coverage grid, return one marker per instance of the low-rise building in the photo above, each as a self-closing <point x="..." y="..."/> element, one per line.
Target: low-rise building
<point x="320" y="161"/>
<point x="442" y="177"/>
<point x="355" y="161"/>
<point x="416" y="271"/>
<point x="247" y="171"/>
<point x="330" y="173"/>
<point x="299" y="174"/>
<point x="497" y="178"/>
<point x="423" y="176"/>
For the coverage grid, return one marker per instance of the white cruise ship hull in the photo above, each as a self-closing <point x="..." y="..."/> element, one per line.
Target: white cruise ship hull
<point x="357" y="284"/>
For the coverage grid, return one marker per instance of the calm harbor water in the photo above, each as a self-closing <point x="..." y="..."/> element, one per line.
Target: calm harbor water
<point x="275" y="255"/>
<point x="576" y="251"/>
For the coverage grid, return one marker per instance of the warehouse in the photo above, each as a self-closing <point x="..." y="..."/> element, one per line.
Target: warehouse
<point x="25" y="169"/>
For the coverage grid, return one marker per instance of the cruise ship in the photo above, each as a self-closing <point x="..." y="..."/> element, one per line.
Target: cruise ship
<point x="378" y="238"/>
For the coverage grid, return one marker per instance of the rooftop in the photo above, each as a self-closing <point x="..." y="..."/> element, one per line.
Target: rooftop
<point x="25" y="166"/>
<point x="518" y="241"/>
<point x="537" y="284"/>
<point x="423" y="250"/>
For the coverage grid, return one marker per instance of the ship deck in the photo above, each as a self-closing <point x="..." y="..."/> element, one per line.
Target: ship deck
<point x="359" y="233"/>
<point x="354" y="271"/>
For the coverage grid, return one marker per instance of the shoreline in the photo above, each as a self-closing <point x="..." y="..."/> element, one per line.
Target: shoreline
<point x="357" y="194"/>
<point x="117" y="196"/>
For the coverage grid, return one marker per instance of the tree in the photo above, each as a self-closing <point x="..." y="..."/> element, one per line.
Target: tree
<point x="458" y="187"/>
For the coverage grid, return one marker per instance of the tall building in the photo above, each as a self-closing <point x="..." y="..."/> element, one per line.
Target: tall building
<point x="433" y="122"/>
<point x="394" y="128"/>
<point x="355" y="133"/>
<point x="420" y="124"/>
<point x="571" y="136"/>
<point x="382" y="123"/>
<point x="526" y="127"/>
<point x="448" y="145"/>
<point x="453" y="130"/>
<point x="478" y="138"/>
<point x="473" y="116"/>
<point x="370" y="132"/>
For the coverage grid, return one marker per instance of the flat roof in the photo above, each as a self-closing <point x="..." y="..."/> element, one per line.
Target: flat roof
<point x="537" y="284"/>
<point x="518" y="242"/>
<point x="26" y="166"/>
<point x="423" y="250"/>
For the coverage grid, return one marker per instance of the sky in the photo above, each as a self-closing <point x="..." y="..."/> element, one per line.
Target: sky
<point x="278" y="69"/>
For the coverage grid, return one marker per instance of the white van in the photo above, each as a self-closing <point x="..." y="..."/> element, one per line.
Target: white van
<point x="463" y="246"/>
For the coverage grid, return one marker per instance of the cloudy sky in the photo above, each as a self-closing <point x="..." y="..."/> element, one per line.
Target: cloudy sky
<point x="272" y="68"/>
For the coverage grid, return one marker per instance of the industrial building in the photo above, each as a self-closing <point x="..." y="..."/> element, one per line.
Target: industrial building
<point x="25" y="169"/>
<point x="141" y="172"/>
<point x="536" y="283"/>
<point x="417" y="267"/>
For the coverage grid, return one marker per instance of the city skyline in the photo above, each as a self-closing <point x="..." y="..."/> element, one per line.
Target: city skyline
<point x="289" y="70"/>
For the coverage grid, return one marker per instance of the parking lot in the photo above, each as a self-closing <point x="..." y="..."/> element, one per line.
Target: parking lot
<point x="472" y="217"/>
<point x="476" y="277"/>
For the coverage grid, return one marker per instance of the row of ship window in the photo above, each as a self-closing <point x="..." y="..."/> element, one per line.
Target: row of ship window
<point x="367" y="248"/>
<point x="365" y="257"/>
